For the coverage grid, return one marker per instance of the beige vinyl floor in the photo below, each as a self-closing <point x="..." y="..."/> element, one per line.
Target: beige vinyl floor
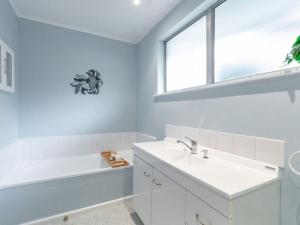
<point x="119" y="213"/>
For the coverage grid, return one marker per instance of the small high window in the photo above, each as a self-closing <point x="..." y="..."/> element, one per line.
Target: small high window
<point x="7" y="68"/>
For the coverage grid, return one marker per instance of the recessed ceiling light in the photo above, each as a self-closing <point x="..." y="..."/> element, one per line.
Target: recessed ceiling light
<point x="136" y="2"/>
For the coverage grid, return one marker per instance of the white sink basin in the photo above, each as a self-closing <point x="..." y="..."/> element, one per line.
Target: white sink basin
<point x="227" y="174"/>
<point x="186" y="159"/>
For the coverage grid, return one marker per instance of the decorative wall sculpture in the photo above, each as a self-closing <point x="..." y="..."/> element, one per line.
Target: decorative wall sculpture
<point x="90" y="83"/>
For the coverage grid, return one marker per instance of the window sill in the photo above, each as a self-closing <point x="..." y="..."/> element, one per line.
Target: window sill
<point x="242" y="86"/>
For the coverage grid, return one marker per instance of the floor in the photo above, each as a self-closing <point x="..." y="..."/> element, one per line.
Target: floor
<point x="120" y="213"/>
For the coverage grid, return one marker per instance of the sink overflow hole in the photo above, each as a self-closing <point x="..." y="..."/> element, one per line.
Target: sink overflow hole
<point x="270" y="168"/>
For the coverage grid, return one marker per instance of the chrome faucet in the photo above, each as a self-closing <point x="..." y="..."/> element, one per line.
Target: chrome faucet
<point x="193" y="146"/>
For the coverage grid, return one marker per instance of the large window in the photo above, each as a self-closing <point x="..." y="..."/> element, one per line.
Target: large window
<point x="254" y="36"/>
<point x="186" y="57"/>
<point x="236" y="38"/>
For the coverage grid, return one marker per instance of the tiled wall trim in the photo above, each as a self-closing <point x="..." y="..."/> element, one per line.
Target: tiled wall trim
<point x="9" y="158"/>
<point x="270" y="151"/>
<point x="64" y="146"/>
<point x="44" y="148"/>
<point x="141" y="137"/>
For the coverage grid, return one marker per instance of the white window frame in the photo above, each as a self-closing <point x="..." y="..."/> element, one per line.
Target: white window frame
<point x="209" y="12"/>
<point x="202" y="15"/>
<point x="1" y="65"/>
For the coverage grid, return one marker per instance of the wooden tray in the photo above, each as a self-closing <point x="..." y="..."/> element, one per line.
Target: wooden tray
<point x="113" y="163"/>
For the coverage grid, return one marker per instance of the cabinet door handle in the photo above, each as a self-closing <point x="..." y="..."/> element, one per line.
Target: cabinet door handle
<point x="156" y="182"/>
<point x="146" y="174"/>
<point x="200" y="220"/>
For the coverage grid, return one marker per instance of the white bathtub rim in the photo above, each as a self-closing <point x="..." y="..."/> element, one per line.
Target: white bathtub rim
<point x="32" y="181"/>
<point x="58" y="217"/>
<point x="65" y="176"/>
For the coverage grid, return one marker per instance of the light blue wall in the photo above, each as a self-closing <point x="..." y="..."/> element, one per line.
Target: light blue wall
<point x="268" y="109"/>
<point x="8" y="102"/>
<point x="49" y="58"/>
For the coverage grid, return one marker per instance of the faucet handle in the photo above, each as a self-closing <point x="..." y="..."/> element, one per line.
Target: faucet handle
<point x="194" y="142"/>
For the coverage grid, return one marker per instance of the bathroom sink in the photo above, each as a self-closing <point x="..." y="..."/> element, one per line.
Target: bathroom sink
<point x="175" y="154"/>
<point x="225" y="173"/>
<point x="190" y="160"/>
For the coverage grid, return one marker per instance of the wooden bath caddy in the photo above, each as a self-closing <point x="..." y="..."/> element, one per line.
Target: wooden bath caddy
<point x="113" y="163"/>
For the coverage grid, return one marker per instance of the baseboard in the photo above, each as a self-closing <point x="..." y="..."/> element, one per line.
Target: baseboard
<point x="59" y="217"/>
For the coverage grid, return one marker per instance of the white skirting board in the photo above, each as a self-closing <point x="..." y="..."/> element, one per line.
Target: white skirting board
<point x="60" y="217"/>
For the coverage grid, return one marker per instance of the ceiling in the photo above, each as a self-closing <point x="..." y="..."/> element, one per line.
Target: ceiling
<point x="116" y="19"/>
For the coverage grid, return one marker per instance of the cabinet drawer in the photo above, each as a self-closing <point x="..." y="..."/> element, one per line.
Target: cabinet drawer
<point x="199" y="213"/>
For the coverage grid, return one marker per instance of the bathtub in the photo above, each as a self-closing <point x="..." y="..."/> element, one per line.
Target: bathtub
<point x="42" y="188"/>
<point x="42" y="177"/>
<point x="31" y="172"/>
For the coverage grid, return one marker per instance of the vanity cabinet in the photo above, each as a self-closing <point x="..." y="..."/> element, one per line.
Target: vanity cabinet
<point x="163" y="194"/>
<point x="157" y="199"/>
<point x="168" y="201"/>
<point x="142" y="184"/>
<point x="199" y="213"/>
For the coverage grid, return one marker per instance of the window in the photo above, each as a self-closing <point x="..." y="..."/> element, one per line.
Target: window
<point x="1" y="80"/>
<point x="234" y="39"/>
<point x="7" y="76"/>
<point x="253" y="36"/>
<point x="186" y="57"/>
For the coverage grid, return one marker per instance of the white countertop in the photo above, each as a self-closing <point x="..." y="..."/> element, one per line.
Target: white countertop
<point x="225" y="173"/>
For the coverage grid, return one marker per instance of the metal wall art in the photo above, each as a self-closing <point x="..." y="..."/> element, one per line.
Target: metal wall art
<point x="88" y="84"/>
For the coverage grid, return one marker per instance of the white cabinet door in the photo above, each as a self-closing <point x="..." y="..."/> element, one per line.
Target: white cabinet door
<point x="142" y="182"/>
<point x="168" y="201"/>
<point x="199" y="213"/>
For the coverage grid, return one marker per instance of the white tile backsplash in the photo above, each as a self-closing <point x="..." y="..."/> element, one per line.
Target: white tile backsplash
<point x="193" y="133"/>
<point x="175" y="132"/>
<point x="64" y="146"/>
<point x="141" y="137"/>
<point x="170" y="131"/>
<point x="127" y="139"/>
<point x="266" y="150"/>
<point x="208" y="138"/>
<point x="244" y="146"/>
<point x="30" y="149"/>
<point x="224" y="142"/>
<point x="270" y="150"/>
<point x="9" y="158"/>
